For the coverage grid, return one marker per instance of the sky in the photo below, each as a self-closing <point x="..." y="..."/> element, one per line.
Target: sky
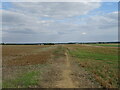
<point x="31" y="22"/>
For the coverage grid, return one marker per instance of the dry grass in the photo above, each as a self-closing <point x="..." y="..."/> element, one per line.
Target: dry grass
<point x="14" y="50"/>
<point x="22" y="64"/>
<point x="30" y="59"/>
<point x="25" y="54"/>
<point x="102" y="62"/>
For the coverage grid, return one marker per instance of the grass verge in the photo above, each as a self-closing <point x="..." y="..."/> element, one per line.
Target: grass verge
<point x="28" y="79"/>
<point x="101" y="62"/>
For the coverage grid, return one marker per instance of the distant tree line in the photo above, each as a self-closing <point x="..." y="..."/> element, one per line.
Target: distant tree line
<point x="59" y="43"/>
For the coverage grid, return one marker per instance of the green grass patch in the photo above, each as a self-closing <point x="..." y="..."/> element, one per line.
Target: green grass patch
<point x="23" y="81"/>
<point x="102" y="62"/>
<point x="106" y="45"/>
<point x="94" y="56"/>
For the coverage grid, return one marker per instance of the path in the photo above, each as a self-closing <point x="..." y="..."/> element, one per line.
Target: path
<point x="65" y="72"/>
<point x="66" y="82"/>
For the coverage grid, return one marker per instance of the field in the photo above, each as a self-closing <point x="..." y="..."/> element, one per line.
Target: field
<point x="106" y="45"/>
<point x="60" y="66"/>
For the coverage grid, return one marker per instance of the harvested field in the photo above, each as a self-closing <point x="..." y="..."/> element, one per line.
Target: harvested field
<point x="59" y="66"/>
<point x="107" y="45"/>
<point x="100" y="61"/>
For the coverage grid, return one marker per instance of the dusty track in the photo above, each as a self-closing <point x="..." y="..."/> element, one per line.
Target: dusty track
<point x="67" y="81"/>
<point x="66" y="73"/>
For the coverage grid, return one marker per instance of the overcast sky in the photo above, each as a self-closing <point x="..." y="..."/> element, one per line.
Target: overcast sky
<point x="59" y="22"/>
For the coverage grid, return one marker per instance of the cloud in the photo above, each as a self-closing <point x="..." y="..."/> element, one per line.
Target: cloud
<point x="84" y="33"/>
<point x="55" y="9"/>
<point x="18" y="22"/>
<point x="57" y="22"/>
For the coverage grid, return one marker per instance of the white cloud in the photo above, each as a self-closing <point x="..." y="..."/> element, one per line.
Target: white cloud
<point x="83" y="33"/>
<point x="46" y="22"/>
<point x="55" y="9"/>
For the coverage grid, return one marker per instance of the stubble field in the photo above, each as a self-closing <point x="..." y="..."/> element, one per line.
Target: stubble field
<point x="59" y="66"/>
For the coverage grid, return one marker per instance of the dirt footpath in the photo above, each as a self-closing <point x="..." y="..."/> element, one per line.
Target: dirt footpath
<point x="66" y="81"/>
<point x="66" y="73"/>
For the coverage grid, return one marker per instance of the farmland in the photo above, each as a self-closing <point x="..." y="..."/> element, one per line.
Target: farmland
<point x="107" y="45"/>
<point x="60" y="66"/>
